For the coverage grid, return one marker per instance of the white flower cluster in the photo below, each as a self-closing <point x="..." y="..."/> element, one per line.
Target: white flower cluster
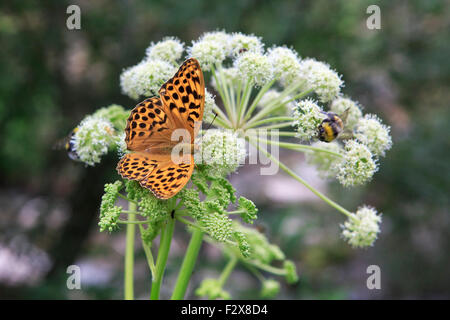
<point x="222" y="149"/>
<point x="362" y="228"/>
<point x="307" y="117"/>
<point x="169" y="49"/>
<point x="210" y="50"/>
<point x="320" y="78"/>
<point x="341" y="105"/>
<point x="255" y="67"/>
<point x="357" y="166"/>
<point x="285" y="63"/>
<point x="146" y="78"/>
<point x="375" y="135"/>
<point x="210" y="104"/>
<point x="92" y="139"/>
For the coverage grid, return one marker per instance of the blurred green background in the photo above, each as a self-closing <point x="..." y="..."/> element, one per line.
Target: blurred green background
<point x="51" y="77"/>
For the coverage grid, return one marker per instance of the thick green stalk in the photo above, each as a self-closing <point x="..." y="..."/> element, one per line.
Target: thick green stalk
<point x="129" y="254"/>
<point x="188" y="265"/>
<point x="161" y="260"/>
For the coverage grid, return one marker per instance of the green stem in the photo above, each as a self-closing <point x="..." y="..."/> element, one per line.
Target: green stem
<point x="148" y="255"/>
<point x="227" y="271"/>
<point x="161" y="260"/>
<point x="133" y="222"/>
<point x="129" y="254"/>
<point x="268" y="120"/>
<point x="302" y="181"/>
<point x="300" y="147"/>
<point x="188" y="265"/>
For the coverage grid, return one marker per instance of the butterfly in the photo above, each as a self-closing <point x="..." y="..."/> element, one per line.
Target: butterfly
<point x="150" y="128"/>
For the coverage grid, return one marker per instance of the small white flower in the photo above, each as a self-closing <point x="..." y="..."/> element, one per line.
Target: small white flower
<point x="270" y="96"/>
<point x="209" y="50"/>
<point x="223" y="150"/>
<point x="121" y="144"/>
<point x="169" y="49"/>
<point x="146" y="78"/>
<point x="210" y="104"/>
<point x="307" y="117"/>
<point x="362" y="228"/>
<point x="375" y="135"/>
<point x="92" y="139"/>
<point x="221" y="37"/>
<point x="241" y="43"/>
<point x="286" y="64"/>
<point x="326" y="163"/>
<point x="357" y="166"/>
<point x="319" y="77"/>
<point x="341" y="104"/>
<point x="255" y="67"/>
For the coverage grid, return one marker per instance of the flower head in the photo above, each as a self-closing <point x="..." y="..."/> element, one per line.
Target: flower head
<point x="341" y="104"/>
<point x="146" y="78"/>
<point x="223" y="150"/>
<point x="254" y="66"/>
<point x="241" y="43"/>
<point x="375" y="135"/>
<point x="169" y="49"/>
<point x="357" y="166"/>
<point x="362" y="227"/>
<point x="286" y="64"/>
<point x="93" y="138"/>
<point x="210" y="105"/>
<point x="270" y="288"/>
<point x="307" y="117"/>
<point x="319" y="77"/>
<point x="209" y="50"/>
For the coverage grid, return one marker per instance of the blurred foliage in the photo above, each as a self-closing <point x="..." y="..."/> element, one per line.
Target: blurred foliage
<point x="51" y="77"/>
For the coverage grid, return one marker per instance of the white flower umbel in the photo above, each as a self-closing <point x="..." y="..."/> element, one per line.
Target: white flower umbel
<point x="241" y="43"/>
<point x="375" y="135"/>
<point x="326" y="163"/>
<point x="93" y="139"/>
<point x="341" y="104"/>
<point x="121" y="144"/>
<point x="357" y="166"/>
<point x="255" y="67"/>
<point x="223" y="150"/>
<point x="362" y="228"/>
<point x="146" y="78"/>
<point x="210" y="104"/>
<point x="285" y="63"/>
<point x="307" y="118"/>
<point x="319" y="77"/>
<point x="270" y="96"/>
<point x="209" y="51"/>
<point x="170" y="49"/>
<point x="221" y="37"/>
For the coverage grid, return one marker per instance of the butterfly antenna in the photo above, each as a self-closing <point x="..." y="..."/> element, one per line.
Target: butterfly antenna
<point x="215" y="116"/>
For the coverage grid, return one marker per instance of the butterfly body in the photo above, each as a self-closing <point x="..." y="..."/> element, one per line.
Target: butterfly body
<point x="161" y="131"/>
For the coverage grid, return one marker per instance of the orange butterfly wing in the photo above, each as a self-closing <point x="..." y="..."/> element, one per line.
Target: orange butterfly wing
<point x="150" y="127"/>
<point x="184" y="95"/>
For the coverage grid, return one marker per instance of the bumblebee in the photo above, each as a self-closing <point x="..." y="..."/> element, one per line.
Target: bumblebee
<point x="70" y="147"/>
<point x="332" y="126"/>
<point x="67" y="144"/>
